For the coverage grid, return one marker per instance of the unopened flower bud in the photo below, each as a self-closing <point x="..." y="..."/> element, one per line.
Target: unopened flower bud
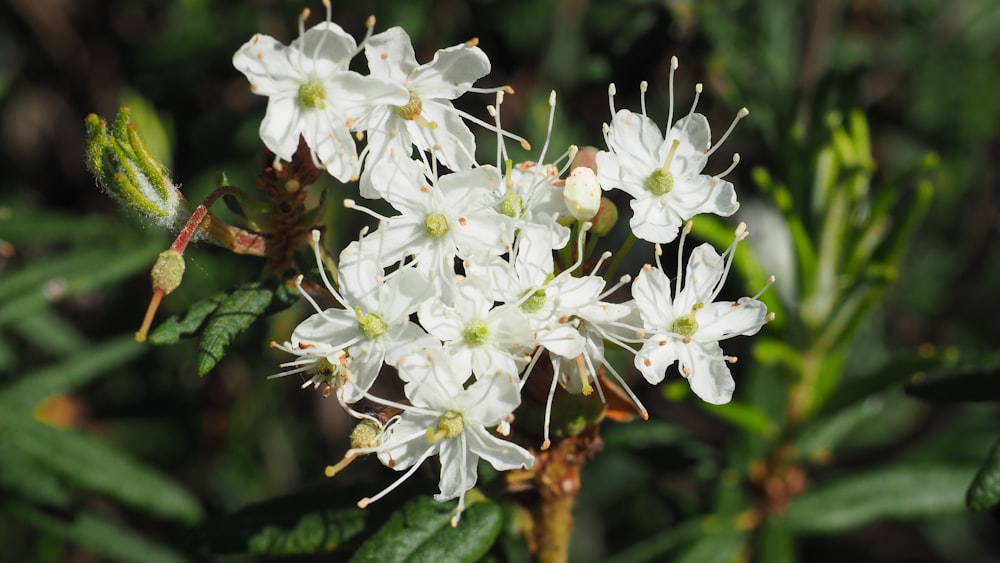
<point x="606" y="217"/>
<point x="128" y="172"/>
<point x="582" y="194"/>
<point x="168" y="271"/>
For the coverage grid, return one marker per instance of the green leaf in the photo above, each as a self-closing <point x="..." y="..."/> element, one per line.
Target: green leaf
<point x="819" y="437"/>
<point x="98" y="535"/>
<point x="308" y="522"/>
<point x="657" y="547"/>
<point x="985" y="489"/>
<point x="50" y="332"/>
<point x="421" y="531"/>
<point x="74" y="276"/>
<point x="970" y="387"/>
<point x="719" y="543"/>
<point x="189" y="324"/>
<point x="24" y="478"/>
<point x="894" y="492"/>
<point x="894" y="372"/>
<point x="25" y="225"/>
<point x="746" y="416"/>
<point x="233" y="316"/>
<point x="71" y="373"/>
<point x="93" y="464"/>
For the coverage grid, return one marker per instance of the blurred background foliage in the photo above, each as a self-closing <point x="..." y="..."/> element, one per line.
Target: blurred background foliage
<point x="112" y="450"/>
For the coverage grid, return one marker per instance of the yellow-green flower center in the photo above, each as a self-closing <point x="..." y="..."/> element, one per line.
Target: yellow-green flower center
<point x="449" y="426"/>
<point x="660" y="182"/>
<point x="412" y="108"/>
<point x="686" y="325"/>
<point x="475" y="333"/>
<point x="312" y="94"/>
<point x="512" y="205"/>
<point x="436" y="225"/>
<point x="372" y="325"/>
<point x="534" y="303"/>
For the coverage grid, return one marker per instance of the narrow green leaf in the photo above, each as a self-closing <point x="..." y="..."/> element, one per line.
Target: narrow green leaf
<point x="966" y="387"/>
<point x="894" y="492"/>
<point x="24" y="225"/>
<point x="894" y="372"/>
<point x="234" y="315"/>
<point x="22" y="477"/>
<point x="71" y="373"/>
<point x="50" y="332"/>
<point x="746" y="416"/>
<point x="93" y="464"/>
<point x="819" y="437"/>
<point x="985" y="489"/>
<point x="717" y="544"/>
<point x="307" y="522"/>
<point x="97" y="535"/>
<point x="421" y="531"/>
<point x="657" y="547"/>
<point x="178" y="327"/>
<point x="113" y="266"/>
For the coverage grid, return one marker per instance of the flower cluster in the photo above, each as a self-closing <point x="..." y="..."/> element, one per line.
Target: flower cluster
<point x="480" y="274"/>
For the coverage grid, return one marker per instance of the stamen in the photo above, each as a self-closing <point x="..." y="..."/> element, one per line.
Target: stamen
<point x="600" y="262"/>
<point x="736" y="160"/>
<point x="368" y="500"/>
<point x="670" y="115"/>
<point x="548" y="412"/>
<point x="611" y="98"/>
<point x="322" y="270"/>
<point x="351" y="204"/>
<point x="628" y="390"/>
<point x="643" y="86"/>
<point x="739" y="115"/>
<point x="621" y="282"/>
<point x="548" y="131"/>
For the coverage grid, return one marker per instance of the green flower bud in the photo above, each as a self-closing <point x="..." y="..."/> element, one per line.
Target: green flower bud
<point x="128" y="172"/>
<point x="168" y="271"/>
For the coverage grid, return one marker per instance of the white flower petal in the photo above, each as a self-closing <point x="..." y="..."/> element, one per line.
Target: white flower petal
<point x="651" y="291"/>
<point x="450" y="73"/>
<point x="656" y="355"/>
<point x="501" y="454"/>
<point x="458" y="468"/>
<point x="718" y="321"/>
<point x="390" y="55"/>
<point x="709" y="375"/>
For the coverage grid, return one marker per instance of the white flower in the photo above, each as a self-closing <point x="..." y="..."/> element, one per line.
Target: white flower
<point x="688" y="327"/>
<point x="446" y="419"/>
<point x="427" y="119"/>
<point x="482" y="339"/>
<point x="374" y="326"/>
<point x="663" y="173"/>
<point x="313" y="94"/>
<point x="440" y="220"/>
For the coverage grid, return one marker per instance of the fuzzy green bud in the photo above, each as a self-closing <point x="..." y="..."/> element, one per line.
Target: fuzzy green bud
<point x="127" y="171"/>
<point x="168" y="271"/>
